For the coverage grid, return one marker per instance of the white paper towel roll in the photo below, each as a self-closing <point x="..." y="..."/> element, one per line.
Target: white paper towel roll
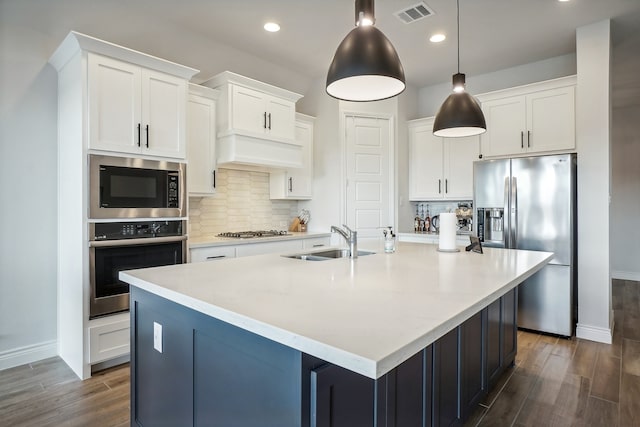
<point x="447" y="240"/>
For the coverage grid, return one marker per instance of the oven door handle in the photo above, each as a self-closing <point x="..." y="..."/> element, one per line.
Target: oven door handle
<point x="131" y="242"/>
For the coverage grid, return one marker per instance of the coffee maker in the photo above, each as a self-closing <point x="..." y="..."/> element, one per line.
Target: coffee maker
<point x="464" y="215"/>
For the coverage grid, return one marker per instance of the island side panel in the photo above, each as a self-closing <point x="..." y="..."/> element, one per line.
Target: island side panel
<point x="209" y="372"/>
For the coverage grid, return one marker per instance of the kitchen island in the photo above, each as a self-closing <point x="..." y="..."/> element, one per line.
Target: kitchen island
<point x="385" y="339"/>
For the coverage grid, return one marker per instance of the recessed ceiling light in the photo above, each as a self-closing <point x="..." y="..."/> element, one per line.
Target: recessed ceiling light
<point x="437" y="38"/>
<point x="563" y="1"/>
<point x="272" y="27"/>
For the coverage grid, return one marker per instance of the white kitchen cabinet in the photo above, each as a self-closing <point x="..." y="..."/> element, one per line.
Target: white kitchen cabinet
<point x="135" y="110"/>
<point x="256" y="123"/>
<point x="217" y="251"/>
<point x="261" y="113"/>
<point x="201" y="140"/>
<point x="104" y="92"/>
<point x="212" y="253"/>
<point x="440" y="168"/>
<point x="536" y="118"/>
<point x="296" y="184"/>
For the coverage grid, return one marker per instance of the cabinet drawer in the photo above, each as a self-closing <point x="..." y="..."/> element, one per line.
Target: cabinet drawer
<point x="316" y="242"/>
<point x="212" y="253"/>
<point x="109" y="340"/>
<point x="269" y="247"/>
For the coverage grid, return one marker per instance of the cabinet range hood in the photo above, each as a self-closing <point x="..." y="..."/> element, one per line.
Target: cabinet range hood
<point x="249" y="152"/>
<point x="256" y="124"/>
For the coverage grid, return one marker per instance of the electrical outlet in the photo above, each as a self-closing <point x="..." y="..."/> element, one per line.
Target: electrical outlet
<point x="157" y="337"/>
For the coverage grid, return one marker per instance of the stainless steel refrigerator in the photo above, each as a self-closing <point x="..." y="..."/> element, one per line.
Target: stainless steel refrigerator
<point x="530" y="203"/>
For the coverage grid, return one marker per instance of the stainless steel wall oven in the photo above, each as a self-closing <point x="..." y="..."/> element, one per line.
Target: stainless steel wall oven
<point x="118" y="246"/>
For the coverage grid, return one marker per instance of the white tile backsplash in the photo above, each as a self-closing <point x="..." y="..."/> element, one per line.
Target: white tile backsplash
<point x="241" y="203"/>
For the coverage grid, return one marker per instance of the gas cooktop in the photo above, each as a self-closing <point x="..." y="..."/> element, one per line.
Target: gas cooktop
<point x="254" y="234"/>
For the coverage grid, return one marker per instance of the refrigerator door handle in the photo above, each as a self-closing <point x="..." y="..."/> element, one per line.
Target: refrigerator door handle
<point x="514" y="213"/>
<point x="505" y="224"/>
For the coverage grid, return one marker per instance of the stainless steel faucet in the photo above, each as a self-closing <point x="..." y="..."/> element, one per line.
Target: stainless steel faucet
<point x="350" y="236"/>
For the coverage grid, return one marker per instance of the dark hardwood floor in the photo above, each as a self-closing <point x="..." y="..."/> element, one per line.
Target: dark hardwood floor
<point x="560" y="382"/>
<point x="555" y="382"/>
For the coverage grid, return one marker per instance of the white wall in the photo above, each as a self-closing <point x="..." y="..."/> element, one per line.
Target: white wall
<point x="625" y="151"/>
<point x="28" y="248"/>
<point x="593" y="110"/>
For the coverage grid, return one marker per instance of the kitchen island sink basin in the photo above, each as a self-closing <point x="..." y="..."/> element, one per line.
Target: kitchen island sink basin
<point x="326" y="255"/>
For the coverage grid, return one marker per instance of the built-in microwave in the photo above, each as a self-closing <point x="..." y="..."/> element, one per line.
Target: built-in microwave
<point x="124" y="187"/>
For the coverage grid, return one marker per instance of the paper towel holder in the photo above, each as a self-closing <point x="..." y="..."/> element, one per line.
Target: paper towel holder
<point x="475" y="246"/>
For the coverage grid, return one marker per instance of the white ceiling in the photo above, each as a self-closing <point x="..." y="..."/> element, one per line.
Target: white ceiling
<point x="495" y="34"/>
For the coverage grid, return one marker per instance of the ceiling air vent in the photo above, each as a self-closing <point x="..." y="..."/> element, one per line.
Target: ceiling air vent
<point x="414" y="13"/>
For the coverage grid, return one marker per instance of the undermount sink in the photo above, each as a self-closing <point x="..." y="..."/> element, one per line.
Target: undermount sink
<point x="326" y="255"/>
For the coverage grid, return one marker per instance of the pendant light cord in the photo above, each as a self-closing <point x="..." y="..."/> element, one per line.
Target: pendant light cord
<point x="458" y="15"/>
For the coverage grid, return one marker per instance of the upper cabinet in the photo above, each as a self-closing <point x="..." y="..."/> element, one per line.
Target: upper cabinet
<point x="535" y="118"/>
<point x="296" y="184"/>
<point x="201" y="140"/>
<point x="134" y="109"/>
<point x="260" y="113"/>
<point x="256" y="123"/>
<point x="440" y="168"/>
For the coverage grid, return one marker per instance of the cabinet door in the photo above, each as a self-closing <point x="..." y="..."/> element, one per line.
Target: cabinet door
<point x="459" y="155"/>
<point x="446" y="380"/>
<point x="506" y="126"/>
<point x="299" y="182"/>
<point x="473" y="384"/>
<point x="248" y="111"/>
<point x="164" y="101"/>
<point x="280" y="118"/>
<point x="114" y="105"/>
<point x="425" y="163"/>
<point x="494" y="350"/>
<point x="201" y="143"/>
<point x="509" y="327"/>
<point x="551" y="120"/>
<point x="341" y="398"/>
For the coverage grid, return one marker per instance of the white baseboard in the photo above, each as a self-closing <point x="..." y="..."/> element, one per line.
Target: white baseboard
<point x="626" y="275"/>
<point x="594" y="333"/>
<point x="28" y="354"/>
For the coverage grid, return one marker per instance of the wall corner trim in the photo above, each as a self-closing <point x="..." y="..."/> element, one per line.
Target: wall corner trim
<point x="595" y="333"/>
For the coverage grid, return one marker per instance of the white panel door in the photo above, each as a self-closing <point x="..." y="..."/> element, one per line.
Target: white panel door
<point x="368" y="186"/>
<point x="201" y="142"/>
<point x="425" y="163"/>
<point x="460" y="153"/>
<point x="506" y="124"/>
<point x="281" y="115"/>
<point x="249" y="113"/>
<point x="551" y="120"/>
<point x="114" y="105"/>
<point x="164" y="100"/>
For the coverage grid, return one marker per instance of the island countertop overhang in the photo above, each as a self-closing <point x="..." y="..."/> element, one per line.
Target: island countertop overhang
<point x="367" y="315"/>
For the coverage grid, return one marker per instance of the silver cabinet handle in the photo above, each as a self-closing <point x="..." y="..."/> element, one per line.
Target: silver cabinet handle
<point x="269" y="121"/>
<point x="214" y="178"/>
<point x="439" y="186"/>
<point x="505" y="223"/>
<point x="446" y="186"/>
<point x="521" y="139"/>
<point x="217" y="257"/>
<point x="290" y="184"/>
<point x="264" y="125"/>
<point x="528" y="139"/>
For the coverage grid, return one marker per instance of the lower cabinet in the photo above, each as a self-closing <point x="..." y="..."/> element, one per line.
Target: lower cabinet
<point x="197" y="370"/>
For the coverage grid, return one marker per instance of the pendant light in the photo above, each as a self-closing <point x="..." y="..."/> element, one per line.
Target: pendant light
<point x="460" y="114"/>
<point x="366" y="66"/>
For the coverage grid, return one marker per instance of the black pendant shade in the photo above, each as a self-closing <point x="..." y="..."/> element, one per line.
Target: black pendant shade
<point x="459" y="115"/>
<point x="365" y="67"/>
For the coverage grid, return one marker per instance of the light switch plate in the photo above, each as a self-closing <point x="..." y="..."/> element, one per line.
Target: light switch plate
<point x="157" y="337"/>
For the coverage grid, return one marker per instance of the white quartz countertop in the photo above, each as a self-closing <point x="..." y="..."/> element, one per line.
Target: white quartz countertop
<point x="367" y="315"/>
<point x="208" y="241"/>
